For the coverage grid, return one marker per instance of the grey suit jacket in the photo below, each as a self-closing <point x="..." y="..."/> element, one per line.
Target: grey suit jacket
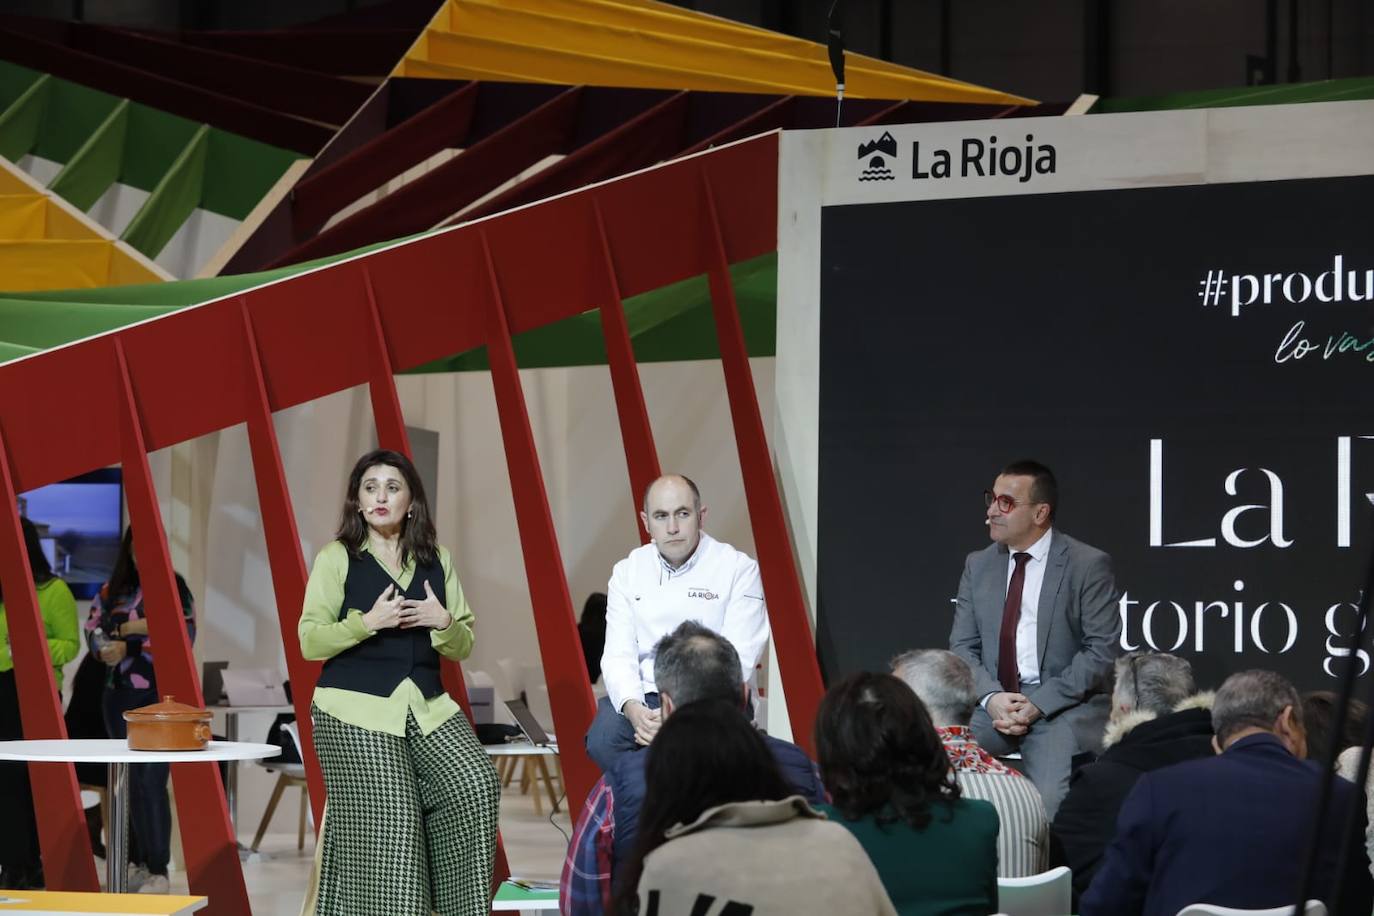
<point x="1078" y="622"/>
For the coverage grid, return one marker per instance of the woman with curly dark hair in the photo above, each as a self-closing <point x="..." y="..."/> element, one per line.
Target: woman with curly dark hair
<point x="892" y="786"/>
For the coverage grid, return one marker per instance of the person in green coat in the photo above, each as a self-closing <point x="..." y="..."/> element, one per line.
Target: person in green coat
<point x="891" y="785"/>
<point x="20" y="864"/>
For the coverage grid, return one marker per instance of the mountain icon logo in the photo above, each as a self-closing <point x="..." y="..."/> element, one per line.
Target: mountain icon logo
<point x="873" y="151"/>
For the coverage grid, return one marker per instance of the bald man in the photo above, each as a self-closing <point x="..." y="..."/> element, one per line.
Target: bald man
<point x="682" y="574"/>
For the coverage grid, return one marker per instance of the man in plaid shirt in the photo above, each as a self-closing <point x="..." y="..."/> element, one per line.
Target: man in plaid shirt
<point x="692" y="663"/>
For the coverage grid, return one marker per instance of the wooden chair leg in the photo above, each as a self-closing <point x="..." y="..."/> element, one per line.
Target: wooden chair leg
<point x="557" y="765"/>
<point x="530" y="779"/>
<point x="300" y="825"/>
<point x="271" y="809"/>
<point x="543" y="772"/>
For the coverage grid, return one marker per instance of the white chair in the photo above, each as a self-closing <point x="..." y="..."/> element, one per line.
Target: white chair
<point x="288" y="774"/>
<point x="1046" y="894"/>
<point x="1313" y="908"/>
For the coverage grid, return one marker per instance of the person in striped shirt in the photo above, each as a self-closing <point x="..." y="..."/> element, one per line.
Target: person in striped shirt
<point x="944" y="683"/>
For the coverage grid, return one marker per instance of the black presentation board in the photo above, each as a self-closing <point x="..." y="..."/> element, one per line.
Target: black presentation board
<point x="1112" y="335"/>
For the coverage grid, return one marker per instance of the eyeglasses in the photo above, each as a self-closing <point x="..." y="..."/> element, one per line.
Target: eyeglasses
<point x="1004" y="503"/>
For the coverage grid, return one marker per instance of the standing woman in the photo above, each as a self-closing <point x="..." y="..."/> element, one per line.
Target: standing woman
<point x="20" y="864"/>
<point x="413" y="801"/>
<point x="117" y="631"/>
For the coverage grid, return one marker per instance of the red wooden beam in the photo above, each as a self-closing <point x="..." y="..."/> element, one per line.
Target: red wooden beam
<point x="283" y="552"/>
<point x="391" y="433"/>
<point x="801" y="675"/>
<point x="777" y="114"/>
<point x="443" y="191"/>
<point x="286" y="88"/>
<point x="442" y="125"/>
<point x="386" y="403"/>
<point x="565" y="671"/>
<point x="211" y="849"/>
<point x="636" y="435"/>
<point x="260" y="122"/>
<point x="62" y="836"/>
<point x="647" y="138"/>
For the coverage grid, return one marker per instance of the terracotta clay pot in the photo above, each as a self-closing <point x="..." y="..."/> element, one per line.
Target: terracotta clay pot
<point x="168" y="726"/>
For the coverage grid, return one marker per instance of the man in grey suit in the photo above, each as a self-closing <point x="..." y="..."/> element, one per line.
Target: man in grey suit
<point x="1037" y="621"/>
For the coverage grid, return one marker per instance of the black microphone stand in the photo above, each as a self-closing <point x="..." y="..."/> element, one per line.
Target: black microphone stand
<point x="835" y="44"/>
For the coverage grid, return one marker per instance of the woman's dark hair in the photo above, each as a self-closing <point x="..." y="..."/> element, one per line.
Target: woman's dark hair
<point x="38" y="561"/>
<point x="879" y="752"/>
<point x="417" y="531"/>
<point x="706" y="754"/>
<point x="1318" y="720"/>
<point x="124" y="576"/>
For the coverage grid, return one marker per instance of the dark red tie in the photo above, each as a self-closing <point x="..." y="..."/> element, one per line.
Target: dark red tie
<point x="1007" y="671"/>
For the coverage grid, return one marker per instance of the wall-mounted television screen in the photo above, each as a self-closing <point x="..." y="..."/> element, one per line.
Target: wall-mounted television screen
<point x="79" y="524"/>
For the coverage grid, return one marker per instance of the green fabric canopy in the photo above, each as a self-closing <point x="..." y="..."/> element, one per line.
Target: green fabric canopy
<point x="100" y="140"/>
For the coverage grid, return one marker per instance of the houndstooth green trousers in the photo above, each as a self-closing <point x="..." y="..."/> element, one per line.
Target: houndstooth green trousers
<point x="411" y="822"/>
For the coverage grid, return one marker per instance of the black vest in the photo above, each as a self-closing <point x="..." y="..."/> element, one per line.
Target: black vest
<point x="380" y="662"/>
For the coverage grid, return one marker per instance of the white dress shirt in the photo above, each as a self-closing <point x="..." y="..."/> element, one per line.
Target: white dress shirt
<point x="717" y="586"/>
<point x="1027" y="639"/>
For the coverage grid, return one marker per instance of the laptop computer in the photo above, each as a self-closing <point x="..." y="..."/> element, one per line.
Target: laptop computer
<point x="528" y="724"/>
<point x="253" y="687"/>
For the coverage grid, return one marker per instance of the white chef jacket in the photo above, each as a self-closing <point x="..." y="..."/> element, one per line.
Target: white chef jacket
<point x="717" y="586"/>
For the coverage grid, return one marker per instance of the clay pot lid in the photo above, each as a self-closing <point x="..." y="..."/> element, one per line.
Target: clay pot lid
<point x="169" y="710"/>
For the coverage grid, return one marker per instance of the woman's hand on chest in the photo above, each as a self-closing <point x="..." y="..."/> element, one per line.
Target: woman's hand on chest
<point x="425" y="612"/>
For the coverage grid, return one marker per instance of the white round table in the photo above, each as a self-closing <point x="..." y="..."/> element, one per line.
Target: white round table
<point x="116" y="753"/>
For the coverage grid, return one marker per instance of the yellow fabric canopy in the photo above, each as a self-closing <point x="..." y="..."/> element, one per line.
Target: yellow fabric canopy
<point x="44" y="245"/>
<point x="652" y="45"/>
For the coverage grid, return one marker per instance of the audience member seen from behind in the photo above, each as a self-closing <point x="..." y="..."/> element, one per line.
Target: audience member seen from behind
<point x="591" y="632"/>
<point x="1231" y="830"/>
<point x="412" y="796"/>
<point x="1319" y="721"/>
<point x="1319" y="713"/>
<point x="721" y="829"/>
<point x="1157" y="719"/>
<point x="893" y="788"/>
<point x="692" y="664"/>
<point x="117" y="632"/>
<point x="20" y="864"/>
<point x="943" y="682"/>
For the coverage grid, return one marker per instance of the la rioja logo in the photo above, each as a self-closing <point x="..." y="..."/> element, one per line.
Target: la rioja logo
<point x="873" y="151"/>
